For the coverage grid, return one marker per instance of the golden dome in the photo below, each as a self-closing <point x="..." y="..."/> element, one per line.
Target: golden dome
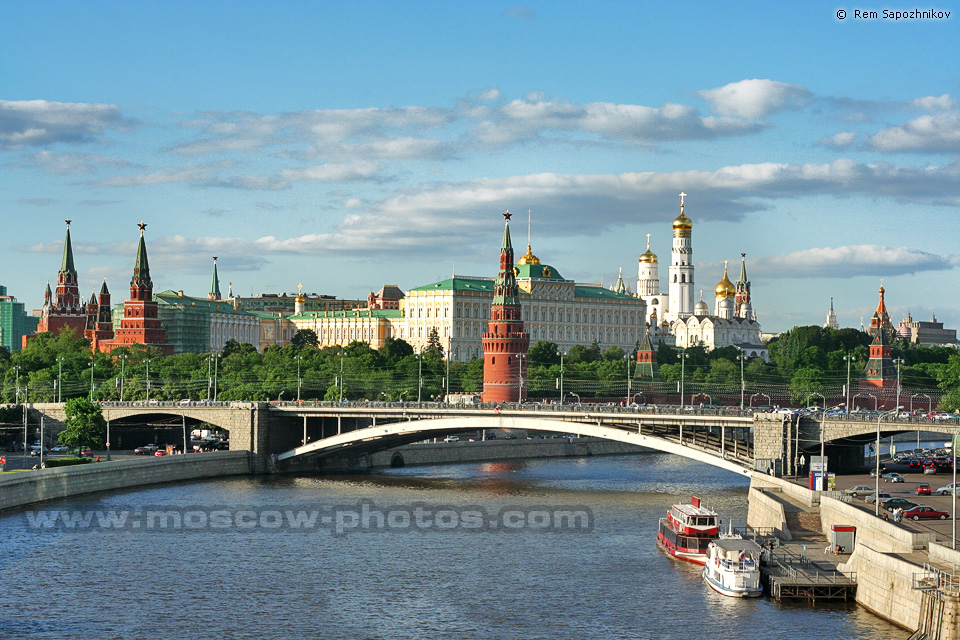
<point x="528" y="257"/>
<point x="648" y="256"/>
<point x="725" y="288"/>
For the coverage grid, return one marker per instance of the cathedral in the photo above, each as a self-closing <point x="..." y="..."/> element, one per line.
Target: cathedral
<point x="674" y="319"/>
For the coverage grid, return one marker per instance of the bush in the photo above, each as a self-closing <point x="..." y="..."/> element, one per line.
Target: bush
<point x="66" y="462"/>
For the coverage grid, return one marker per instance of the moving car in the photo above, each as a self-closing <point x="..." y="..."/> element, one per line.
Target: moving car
<point x="146" y="450"/>
<point x="923" y="489"/>
<point x="873" y="497"/>
<point x="893" y="477"/>
<point x="859" y="489"/>
<point x="892" y="503"/>
<point x="945" y="490"/>
<point x="60" y="448"/>
<point x="452" y="439"/>
<point x="922" y="512"/>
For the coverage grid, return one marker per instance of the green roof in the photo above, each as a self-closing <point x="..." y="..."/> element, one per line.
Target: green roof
<point x="211" y="306"/>
<point x="584" y="291"/>
<point x="481" y="285"/>
<point x="537" y="271"/>
<point x="349" y="313"/>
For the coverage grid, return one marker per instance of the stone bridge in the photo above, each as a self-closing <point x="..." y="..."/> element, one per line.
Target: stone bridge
<point x="281" y="435"/>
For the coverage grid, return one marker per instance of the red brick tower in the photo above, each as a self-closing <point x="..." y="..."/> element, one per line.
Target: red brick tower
<point x="647" y="370"/>
<point x="880" y="322"/>
<point x="505" y="340"/>
<point x="66" y="308"/>
<point x="99" y="319"/>
<point x="141" y="322"/>
<point x="880" y="370"/>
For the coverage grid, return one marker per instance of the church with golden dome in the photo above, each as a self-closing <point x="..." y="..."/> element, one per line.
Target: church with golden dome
<point x="673" y="317"/>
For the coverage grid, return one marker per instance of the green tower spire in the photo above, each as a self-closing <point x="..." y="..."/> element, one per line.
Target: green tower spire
<point x="141" y="269"/>
<point x="215" y="283"/>
<point x="505" y="290"/>
<point x="66" y="265"/>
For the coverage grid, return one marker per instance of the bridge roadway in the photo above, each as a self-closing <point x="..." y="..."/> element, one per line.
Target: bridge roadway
<point x="727" y="437"/>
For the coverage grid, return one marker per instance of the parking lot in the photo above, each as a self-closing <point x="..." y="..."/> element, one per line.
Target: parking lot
<point x="908" y="490"/>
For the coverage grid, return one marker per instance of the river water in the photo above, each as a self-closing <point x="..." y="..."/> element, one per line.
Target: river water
<point x="258" y="576"/>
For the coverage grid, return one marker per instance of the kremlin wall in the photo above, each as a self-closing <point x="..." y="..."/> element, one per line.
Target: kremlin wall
<point x="472" y="317"/>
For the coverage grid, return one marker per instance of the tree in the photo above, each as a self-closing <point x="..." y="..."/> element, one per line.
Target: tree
<point x="394" y="350"/>
<point x="304" y="338"/>
<point x="544" y="353"/>
<point x="85" y="424"/>
<point x="433" y="343"/>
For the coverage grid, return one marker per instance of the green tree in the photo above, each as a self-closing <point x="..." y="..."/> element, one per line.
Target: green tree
<point x="433" y="343"/>
<point x="85" y="426"/>
<point x="394" y="350"/>
<point x="544" y="353"/>
<point x="304" y="338"/>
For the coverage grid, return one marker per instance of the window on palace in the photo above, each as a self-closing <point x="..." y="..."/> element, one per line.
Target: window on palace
<point x="593" y="317"/>
<point x="568" y="315"/>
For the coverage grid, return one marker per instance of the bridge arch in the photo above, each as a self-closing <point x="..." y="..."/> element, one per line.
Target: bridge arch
<point x="387" y="436"/>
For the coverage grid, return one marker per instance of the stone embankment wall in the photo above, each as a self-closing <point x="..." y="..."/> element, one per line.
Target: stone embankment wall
<point x="872" y="531"/>
<point x="765" y="511"/>
<point x="484" y="451"/>
<point x="885" y="585"/>
<point x="29" y="487"/>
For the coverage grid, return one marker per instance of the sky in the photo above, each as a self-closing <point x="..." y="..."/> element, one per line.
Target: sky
<point x="345" y="145"/>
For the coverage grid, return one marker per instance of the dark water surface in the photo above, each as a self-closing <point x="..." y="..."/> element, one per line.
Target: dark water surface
<point x="265" y="581"/>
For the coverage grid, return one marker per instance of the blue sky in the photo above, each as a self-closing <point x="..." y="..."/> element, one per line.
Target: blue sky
<point x="349" y="144"/>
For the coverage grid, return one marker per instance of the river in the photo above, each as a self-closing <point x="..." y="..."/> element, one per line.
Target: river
<point x="442" y="576"/>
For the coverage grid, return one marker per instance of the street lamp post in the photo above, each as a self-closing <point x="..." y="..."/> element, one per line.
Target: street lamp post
<point x="341" y="377"/>
<point x="898" y="362"/>
<point x="849" y="359"/>
<point x="876" y="495"/>
<point x="520" y="372"/>
<point x="299" y="379"/>
<point x="419" y="376"/>
<point x="59" y="379"/>
<point x="216" y="371"/>
<point x="629" y="380"/>
<point x="446" y="379"/>
<point x="147" y="362"/>
<point x="209" y="377"/>
<point x="92" y="363"/>
<point x="16" y="391"/>
<point x="560" y="353"/>
<point x="108" y="435"/>
<point x="683" y="375"/>
<point x="123" y="361"/>
<point x="953" y="452"/>
<point x="743" y="386"/>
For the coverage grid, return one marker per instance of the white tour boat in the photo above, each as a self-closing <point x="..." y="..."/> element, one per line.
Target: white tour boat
<point x="733" y="567"/>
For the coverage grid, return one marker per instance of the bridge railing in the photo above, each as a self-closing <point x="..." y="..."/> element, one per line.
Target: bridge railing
<point x="570" y="407"/>
<point x="166" y="404"/>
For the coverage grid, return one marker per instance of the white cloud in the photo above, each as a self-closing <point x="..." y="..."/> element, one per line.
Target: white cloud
<point x="333" y="172"/>
<point x="69" y="163"/>
<point x="840" y="140"/>
<point x="41" y="122"/>
<point x="756" y="99"/>
<point x="850" y="261"/>
<point x="930" y="133"/>
<point x="934" y="103"/>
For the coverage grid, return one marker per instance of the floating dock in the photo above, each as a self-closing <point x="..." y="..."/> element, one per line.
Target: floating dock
<point x="791" y="575"/>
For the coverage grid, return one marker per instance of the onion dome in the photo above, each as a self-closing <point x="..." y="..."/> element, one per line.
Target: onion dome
<point x="300" y="297"/>
<point x="701" y="309"/>
<point x="725" y="288"/>
<point x="904" y="331"/>
<point x="528" y="257"/>
<point x="648" y="256"/>
<point x="682" y="225"/>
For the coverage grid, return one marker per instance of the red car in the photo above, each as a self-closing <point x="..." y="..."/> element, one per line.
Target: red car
<point x="922" y="512"/>
<point x="923" y="489"/>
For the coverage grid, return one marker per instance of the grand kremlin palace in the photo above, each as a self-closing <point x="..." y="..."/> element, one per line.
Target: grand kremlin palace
<point x="458" y="308"/>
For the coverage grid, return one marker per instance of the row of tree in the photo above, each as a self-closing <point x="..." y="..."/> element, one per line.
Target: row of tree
<point x="804" y="360"/>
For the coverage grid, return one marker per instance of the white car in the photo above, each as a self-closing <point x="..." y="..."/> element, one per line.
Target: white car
<point x="860" y="489"/>
<point x="945" y="491"/>
<point x="893" y="477"/>
<point x="452" y="439"/>
<point x="60" y="448"/>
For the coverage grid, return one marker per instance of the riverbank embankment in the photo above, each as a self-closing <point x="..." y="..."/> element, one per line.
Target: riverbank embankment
<point x="40" y="485"/>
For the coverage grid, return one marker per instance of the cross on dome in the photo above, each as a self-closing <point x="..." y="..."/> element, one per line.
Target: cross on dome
<point x="682" y="196"/>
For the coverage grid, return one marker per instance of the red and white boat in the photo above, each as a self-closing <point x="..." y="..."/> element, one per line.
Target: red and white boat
<point x="687" y="531"/>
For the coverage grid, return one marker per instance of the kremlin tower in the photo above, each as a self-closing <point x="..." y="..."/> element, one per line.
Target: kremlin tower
<point x="66" y="308"/>
<point x="880" y="322"/>
<point x="140" y="323"/>
<point x="505" y="341"/>
<point x="744" y="308"/>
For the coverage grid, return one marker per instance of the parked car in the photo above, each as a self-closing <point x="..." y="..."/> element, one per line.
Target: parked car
<point x="873" y="497"/>
<point x="923" y="489"/>
<point x="858" y="490"/>
<point x="893" y="477"/>
<point x="893" y="503"/>
<point x="452" y="439"/>
<point x="945" y="490"/>
<point x="146" y="450"/>
<point x="60" y="448"/>
<point x="922" y="512"/>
